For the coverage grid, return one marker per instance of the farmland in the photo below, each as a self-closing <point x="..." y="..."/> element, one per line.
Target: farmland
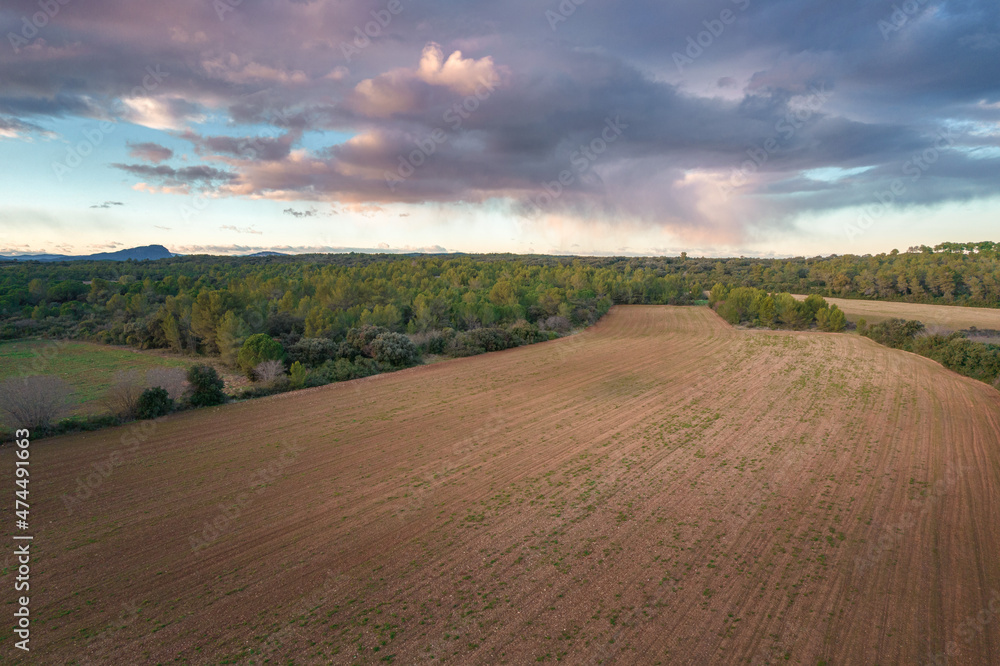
<point x="950" y="317"/>
<point x="88" y="368"/>
<point x="660" y="488"/>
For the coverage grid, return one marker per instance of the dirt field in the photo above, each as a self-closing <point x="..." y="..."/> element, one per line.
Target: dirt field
<point x="947" y="316"/>
<point x="658" y="489"/>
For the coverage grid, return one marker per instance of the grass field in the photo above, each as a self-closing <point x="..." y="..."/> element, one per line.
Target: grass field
<point x="89" y="368"/>
<point x="660" y="488"/>
<point x="952" y="317"/>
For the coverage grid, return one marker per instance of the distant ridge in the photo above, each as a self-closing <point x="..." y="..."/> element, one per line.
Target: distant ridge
<point x="144" y="253"/>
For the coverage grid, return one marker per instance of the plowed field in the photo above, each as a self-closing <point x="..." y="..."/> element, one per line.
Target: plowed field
<point x="953" y="317"/>
<point x="661" y="488"/>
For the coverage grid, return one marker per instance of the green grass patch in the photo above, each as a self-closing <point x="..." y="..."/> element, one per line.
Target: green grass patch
<point x="89" y="368"/>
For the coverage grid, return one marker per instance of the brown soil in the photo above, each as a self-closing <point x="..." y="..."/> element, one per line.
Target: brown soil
<point x="951" y="317"/>
<point x="658" y="489"/>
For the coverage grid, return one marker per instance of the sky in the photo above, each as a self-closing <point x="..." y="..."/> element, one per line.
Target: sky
<point x="718" y="128"/>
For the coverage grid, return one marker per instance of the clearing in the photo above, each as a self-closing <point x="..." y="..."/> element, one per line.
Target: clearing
<point x="660" y="488"/>
<point x="951" y="317"/>
<point x="89" y="368"/>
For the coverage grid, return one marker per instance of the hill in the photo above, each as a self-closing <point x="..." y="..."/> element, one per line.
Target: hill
<point x="144" y="253"/>
<point x="660" y="487"/>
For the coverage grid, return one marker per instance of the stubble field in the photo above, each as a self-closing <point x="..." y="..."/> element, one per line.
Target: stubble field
<point x="661" y="488"/>
<point x="951" y="317"/>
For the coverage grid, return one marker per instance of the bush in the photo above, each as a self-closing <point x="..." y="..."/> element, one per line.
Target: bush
<point x="525" y="333"/>
<point x="558" y="324"/>
<point x="122" y="398"/>
<point x="343" y="370"/>
<point x="394" y="349"/>
<point x="298" y="375"/>
<point x="312" y="352"/>
<point x="34" y="402"/>
<point x="728" y="311"/>
<point x="361" y="339"/>
<point x="257" y="349"/>
<point x="896" y="333"/>
<point x="434" y="341"/>
<point x="206" y="386"/>
<point x="813" y="304"/>
<point x="154" y="403"/>
<point x="836" y="321"/>
<point x="268" y="372"/>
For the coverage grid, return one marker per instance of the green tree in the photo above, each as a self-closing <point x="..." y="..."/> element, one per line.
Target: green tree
<point x="837" y="321"/>
<point x="154" y="403"/>
<point x="297" y="375"/>
<point x="231" y="334"/>
<point x="395" y="349"/>
<point x="206" y="386"/>
<point x="257" y="349"/>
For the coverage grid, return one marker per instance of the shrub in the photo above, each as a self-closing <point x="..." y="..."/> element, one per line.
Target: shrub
<point x="122" y="398"/>
<point x="525" y="333"/>
<point x="312" y="352"/>
<point x="154" y="403"/>
<point x="298" y="375"/>
<point x="34" y="402"/>
<point x="206" y="386"/>
<point x="719" y="293"/>
<point x="558" y="324"/>
<point x="813" y="304"/>
<point x="896" y="333"/>
<point x="257" y="349"/>
<point x="268" y="372"/>
<point x="394" y="349"/>
<point x="360" y="339"/>
<point x="837" y="320"/>
<point x="491" y="339"/>
<point x="434" y="341"/>
<point x="728" y="311"/>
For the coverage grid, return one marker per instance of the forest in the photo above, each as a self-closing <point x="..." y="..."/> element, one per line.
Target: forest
<point x="293" y="321"/>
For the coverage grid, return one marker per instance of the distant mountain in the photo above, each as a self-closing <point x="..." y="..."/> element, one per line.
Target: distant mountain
<point x="266" y="253"/>
<point x="147" y="252"/>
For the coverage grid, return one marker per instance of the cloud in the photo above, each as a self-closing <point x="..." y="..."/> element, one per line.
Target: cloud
<point x="235" y="250"/>
<point x="108" y="204"/>
<point x="205" y="176"/>
<point x="300" y="213"/>
<point x="241" y="230"/>
<point x="232" y="69"/>
<point x="169" y="113"/>
<point x="12" y="128"/>
<point x="402" y="89"/>
<point x="150" y="152"/>
<point x="276" y="77"/>
<point x="233" y="149"/>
